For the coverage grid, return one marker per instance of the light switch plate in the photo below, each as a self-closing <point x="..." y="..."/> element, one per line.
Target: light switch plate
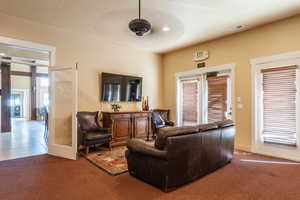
<point x="240" y="106"/>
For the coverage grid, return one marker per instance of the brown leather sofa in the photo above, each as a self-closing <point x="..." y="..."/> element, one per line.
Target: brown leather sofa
<point x="181" y="154"/>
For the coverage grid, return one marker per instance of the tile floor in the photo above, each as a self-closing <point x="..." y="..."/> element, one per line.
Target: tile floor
<point x="26" y="139"/>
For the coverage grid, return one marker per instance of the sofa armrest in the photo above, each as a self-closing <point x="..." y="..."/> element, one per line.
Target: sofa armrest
<point x="139" y="146"/>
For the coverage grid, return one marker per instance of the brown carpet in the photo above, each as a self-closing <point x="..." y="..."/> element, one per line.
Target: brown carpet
<point x="47" y="177"/>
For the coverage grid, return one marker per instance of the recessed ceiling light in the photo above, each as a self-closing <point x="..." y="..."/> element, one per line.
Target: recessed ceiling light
<point x="166" y="28"/>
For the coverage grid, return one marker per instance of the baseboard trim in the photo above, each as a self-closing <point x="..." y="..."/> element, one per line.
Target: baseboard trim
<point x="277" y="152"/>
<point x="243" y="147"/>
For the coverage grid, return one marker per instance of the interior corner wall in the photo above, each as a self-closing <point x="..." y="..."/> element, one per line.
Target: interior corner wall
<point x="276" y="38"/>
<point x="94" y="55"/>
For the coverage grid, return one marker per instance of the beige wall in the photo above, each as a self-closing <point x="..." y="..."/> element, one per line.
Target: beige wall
<point x="275" y="38"/>
<point x="94" y="56"/>
<point x="97" y="55"/>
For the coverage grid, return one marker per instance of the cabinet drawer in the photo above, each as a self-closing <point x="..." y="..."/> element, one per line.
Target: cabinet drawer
<point x="120" y="116"/>
<point x="141" y="115"/>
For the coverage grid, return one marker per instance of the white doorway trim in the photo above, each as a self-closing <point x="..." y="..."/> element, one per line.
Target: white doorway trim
<point x="257" y="64"/>
<point x="197" y="72"/>
<point x="31" y="45"/>
<point x="54" y="149"/>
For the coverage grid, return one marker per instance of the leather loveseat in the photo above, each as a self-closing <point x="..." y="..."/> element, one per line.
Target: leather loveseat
<point x="181" y="154"/>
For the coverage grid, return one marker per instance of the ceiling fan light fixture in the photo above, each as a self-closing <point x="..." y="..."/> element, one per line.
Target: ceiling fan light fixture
<point x="140" y="26"/>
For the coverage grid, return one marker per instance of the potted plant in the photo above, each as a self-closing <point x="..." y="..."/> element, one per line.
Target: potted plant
<point x="115" y="107"/>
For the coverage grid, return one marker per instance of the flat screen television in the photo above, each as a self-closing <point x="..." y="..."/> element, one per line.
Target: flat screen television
<point x="117" y="88"/>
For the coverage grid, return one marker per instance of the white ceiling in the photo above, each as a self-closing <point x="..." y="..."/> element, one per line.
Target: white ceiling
<point x="190" y="21"/>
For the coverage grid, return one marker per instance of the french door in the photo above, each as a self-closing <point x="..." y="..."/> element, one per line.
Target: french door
<point x="204" y="98"/>
<point x="62" y="113"/>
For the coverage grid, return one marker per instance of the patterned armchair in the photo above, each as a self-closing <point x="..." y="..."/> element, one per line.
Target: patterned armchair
<point x="160" y="119"/>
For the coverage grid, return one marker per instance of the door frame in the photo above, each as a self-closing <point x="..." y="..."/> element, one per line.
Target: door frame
<point x="57" y="149"/>
<point x="197" y="72"/>
<point x="32" y="45"/>
<point x="52" y="59"/>
<point x="279" y="60"/>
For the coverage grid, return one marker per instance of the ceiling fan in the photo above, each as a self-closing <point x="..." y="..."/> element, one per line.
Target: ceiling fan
<point x="140" y="26"/>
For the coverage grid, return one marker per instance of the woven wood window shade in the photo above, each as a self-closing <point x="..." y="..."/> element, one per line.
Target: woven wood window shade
<point x="217" y="98"/>
<point x="189" y="101"/>
<point x="279" y="105"/>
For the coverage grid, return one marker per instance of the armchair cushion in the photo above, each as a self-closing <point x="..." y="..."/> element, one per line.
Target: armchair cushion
<point x="158" y="120"/>
<point x="88" y="121"/>
<point x="169" y="123"/>
<point x="97" y="136"/>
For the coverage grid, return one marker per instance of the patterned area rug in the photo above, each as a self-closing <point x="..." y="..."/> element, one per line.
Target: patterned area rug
<point x="113" y="162"/>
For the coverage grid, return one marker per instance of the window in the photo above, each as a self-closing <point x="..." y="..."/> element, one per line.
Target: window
<point x="279" y="105"/>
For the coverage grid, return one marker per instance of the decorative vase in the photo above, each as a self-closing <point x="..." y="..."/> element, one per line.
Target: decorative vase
<point x="143" y="103"/>
<point x="147" y="104"/>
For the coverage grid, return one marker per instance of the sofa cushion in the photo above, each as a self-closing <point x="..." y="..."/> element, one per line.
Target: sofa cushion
<point x="207" y="127"/>
<point x="166" y="132"/>
<point x="225" y="123"/>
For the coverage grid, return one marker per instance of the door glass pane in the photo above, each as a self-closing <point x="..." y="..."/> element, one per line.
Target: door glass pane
<point x="63" y="106"/>
<point x="190" y="102"/>
<point x="279" y="105"/>
<point x="217" y="98"/>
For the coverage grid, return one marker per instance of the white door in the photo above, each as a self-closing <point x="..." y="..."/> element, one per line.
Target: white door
<point x="62" y="112"/>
